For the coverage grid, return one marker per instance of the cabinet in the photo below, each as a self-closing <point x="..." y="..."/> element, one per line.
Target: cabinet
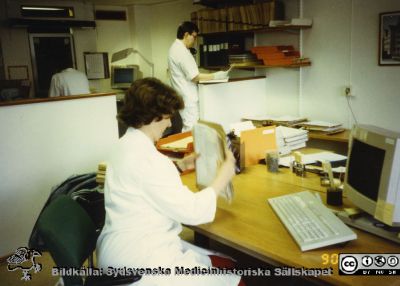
<point x="227" y="30"/>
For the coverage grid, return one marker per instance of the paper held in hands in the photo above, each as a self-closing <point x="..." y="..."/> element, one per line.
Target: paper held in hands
<point x="215" y="80"/>
<point x="226" y="79"/>
<point x="210" y="143"/>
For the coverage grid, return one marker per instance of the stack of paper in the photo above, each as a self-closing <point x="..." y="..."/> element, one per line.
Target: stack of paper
<point x="101" y="173"/>
<point x="322" y="126"/>
<point x="300" y="22"/>
<point x="241" y="126"/>
<point x="215" y="80"/>
<point x="289" y="139"/>
<point x="285" y="120"/>
<point x="178" y="145"/>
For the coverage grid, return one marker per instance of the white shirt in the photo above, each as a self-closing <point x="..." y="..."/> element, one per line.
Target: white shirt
<point x="69" y="82"/>
<point x="183" y="69"/>
<point x="146" y="203"/>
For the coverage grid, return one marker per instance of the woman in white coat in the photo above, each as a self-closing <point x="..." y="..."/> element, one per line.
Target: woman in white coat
<point x="146" y="201"/>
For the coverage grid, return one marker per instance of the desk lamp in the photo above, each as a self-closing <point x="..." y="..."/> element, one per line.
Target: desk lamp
<point x="123" y="54"/>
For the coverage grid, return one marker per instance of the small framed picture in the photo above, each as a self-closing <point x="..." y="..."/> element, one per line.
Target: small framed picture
<point x="389" y="38"/>
<point x="18" y="72"/>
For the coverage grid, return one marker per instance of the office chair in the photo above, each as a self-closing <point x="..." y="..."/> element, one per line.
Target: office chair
<point x="176" y="125"/>
<point x="70" y="236"/>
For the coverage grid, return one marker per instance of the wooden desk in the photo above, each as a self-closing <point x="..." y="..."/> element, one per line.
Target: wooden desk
<point x="250" y="225"/>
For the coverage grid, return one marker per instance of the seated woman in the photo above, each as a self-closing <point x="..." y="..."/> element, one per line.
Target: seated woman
<point x="145" y="199"/>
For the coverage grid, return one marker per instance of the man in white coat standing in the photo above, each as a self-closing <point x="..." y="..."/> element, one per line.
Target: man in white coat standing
<point x="185" y="74"/>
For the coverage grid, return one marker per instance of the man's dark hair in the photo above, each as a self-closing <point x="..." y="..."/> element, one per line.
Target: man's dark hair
<point x="148" y="99"/>
<point x="186" y="27"/>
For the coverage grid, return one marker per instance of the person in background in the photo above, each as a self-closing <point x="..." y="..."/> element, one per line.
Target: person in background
<point x="68" y="81"/>
<point x="184" y="73"/>
<point x="145" y="200"/>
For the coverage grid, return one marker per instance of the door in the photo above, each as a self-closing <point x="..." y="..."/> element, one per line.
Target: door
<point x="50" y="53"/>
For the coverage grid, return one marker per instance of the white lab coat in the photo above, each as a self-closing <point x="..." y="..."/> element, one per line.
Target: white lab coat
<point x="69" y="82"/>
<point x="183" y="68"/>
<point x="146" y="203"/>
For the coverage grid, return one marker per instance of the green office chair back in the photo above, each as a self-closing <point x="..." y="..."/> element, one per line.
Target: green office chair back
<point x="69" y="234"/>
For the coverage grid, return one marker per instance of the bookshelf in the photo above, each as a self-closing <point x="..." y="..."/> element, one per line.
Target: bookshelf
<point x="218" y="49"/>
<point x="227" y="28"/>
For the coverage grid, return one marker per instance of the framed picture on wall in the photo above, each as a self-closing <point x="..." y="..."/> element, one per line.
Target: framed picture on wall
<point x="389" y="38"/>
<point x="18" y="72"/>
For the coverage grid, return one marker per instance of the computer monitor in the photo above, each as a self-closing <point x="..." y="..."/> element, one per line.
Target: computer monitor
<point x="123" y="76"/>
<point x="372" y="180"/>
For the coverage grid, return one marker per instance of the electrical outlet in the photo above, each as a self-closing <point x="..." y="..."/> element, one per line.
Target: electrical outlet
<point x="348" y="91"/>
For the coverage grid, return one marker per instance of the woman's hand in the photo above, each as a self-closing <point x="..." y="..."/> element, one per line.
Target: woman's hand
<point x="225" y="173"/>
<point x="188" y="162"/>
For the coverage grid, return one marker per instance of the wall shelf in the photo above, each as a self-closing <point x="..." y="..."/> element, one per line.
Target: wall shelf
<point x="244" y="67"/>
<point x="228" y="30"/>
<point x="250" y="32"/>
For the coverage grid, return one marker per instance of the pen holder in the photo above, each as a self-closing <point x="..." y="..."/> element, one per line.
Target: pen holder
<point x="334" y="196"/>
<point x="272" y="161"/>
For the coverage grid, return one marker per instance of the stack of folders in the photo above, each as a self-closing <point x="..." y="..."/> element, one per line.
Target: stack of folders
<point x="101" y="174"/>
<point x="289" y="139"/>
<point x="244" y="59"/>
<point x="322" y="126"/>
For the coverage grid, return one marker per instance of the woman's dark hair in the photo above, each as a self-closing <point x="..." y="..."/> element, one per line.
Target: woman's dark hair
<point x="186" y="27"/>
<point x="148" y="99"/>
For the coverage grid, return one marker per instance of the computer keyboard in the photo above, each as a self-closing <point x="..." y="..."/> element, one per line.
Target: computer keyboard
<point x="311" y="224"/>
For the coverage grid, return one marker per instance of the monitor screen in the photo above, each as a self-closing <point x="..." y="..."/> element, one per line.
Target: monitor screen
<point x="365" y="168"/>
<point x="123" y="75"/>
<point x="372" y="181"/>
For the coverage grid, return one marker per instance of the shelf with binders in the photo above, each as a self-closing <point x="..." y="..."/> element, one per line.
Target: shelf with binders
<point x="228" y="29"/>
<point x="222" y="51"/>
<point x="288" y="28"/>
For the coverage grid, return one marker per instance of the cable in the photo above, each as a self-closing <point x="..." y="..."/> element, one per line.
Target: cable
<point x="300" y="109"/>
<point x="351" y="110"/>
<point x="351" y="61"/>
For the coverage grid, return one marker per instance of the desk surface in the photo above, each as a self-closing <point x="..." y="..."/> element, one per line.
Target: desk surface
<point x="250" y="225"/>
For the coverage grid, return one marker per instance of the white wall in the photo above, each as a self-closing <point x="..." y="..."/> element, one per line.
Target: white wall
<point x="327" y="43"/>
<point x="161" y="22"/>
<point x="228" y="103"/>
<point x="42" y="145"/>
<point x="85" y="41"/>
<point x="112" y="36"/>
<point x="377" y="88"/>
<point x="343" y="47"/>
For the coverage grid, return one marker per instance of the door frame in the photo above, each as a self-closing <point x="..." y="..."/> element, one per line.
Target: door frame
<point x="33" y="55"/>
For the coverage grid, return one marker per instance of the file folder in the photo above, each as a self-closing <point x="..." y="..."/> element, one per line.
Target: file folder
<point x="256" y="143"/>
